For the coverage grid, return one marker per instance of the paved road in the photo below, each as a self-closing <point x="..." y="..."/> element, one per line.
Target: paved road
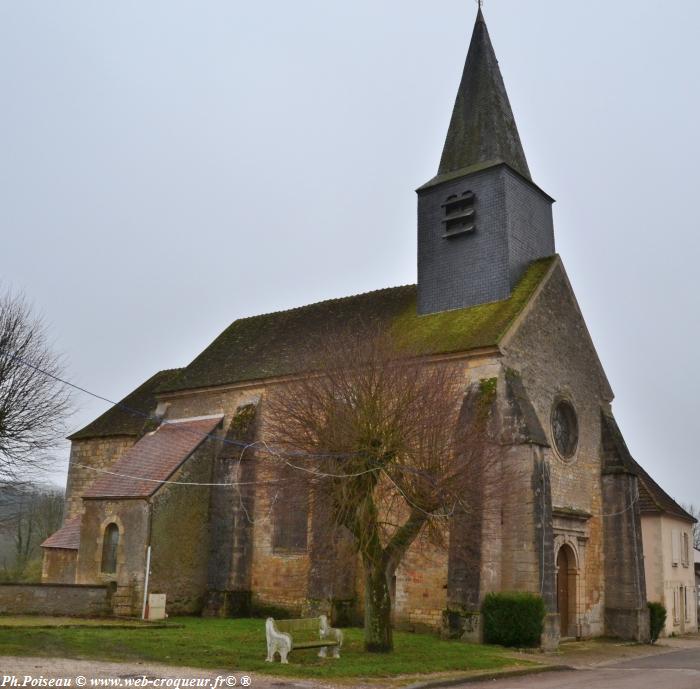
<point x="676" y="670"/>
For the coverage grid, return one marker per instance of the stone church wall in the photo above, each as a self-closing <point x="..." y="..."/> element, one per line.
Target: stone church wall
<point x="505" y="541"/>
<point x="300" y="581"/>
<point x="58" y="565"/>
<point x="523" y="546"/>
<point x="555" y="358"/>
<point x="100" y="453"/>
<point x="179" y="536"/>
<point x="132" y="518"/>
<point x="175" y="523"/>
<point x="421" y="587"/>
<point x="277" y="578"/>
<point x="626" y="614"/>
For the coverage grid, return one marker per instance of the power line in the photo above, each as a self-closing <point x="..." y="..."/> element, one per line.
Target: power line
<point x="242" y="445"/>
<point x="149" y="417"/>
<point x="166" y="481"/>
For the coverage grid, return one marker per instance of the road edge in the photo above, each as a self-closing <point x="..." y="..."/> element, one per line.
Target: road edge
<point x="487" y="677"/>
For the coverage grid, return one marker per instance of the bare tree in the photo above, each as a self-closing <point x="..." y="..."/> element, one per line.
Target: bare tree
<point x="393" y="461"/>
<point x="33" y="405"/>
<point x="694" y="512"/>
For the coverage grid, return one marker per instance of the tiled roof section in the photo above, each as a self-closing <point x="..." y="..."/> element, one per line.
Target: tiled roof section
<point x="154" y="458"/>
<point x="275" y="344"/>
<point x="130" y="414"/>
<point x="653" y="498"/>
<point x="67" y="537"/>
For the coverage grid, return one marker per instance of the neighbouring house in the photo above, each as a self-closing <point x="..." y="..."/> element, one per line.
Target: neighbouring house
<point x="493" y="295"/>
<point x="669" y="556"/>
<point x="696" y="559"/>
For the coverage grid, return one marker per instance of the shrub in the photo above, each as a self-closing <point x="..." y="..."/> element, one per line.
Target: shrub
<point x="513" y="619"/>
<point x="657" y="619"/>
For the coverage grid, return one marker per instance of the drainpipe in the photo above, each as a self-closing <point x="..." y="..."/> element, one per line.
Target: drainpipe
<point x="145" y="584"/>
<point x="148" y="560"/>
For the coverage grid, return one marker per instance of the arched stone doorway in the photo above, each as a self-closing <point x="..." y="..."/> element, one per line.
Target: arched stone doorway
<point x="566" y="590"/>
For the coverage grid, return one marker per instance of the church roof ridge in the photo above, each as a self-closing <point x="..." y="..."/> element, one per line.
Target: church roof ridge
<point x="482" y="127"/>
<point x="276" y="344"/>
<point x="330" y="300"/>
<point x="128" y="416"/>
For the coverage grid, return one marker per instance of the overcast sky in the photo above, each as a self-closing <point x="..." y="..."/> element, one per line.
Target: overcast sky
<point x="169" y="166"/>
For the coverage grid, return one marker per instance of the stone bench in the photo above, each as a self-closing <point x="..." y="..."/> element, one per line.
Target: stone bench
<point x="285" y="636"/>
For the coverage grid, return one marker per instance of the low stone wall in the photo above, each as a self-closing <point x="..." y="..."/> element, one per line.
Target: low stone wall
<point x="55" y="599"/>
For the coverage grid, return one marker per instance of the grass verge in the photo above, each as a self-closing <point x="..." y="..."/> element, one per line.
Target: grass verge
<point x="229" y="644"/>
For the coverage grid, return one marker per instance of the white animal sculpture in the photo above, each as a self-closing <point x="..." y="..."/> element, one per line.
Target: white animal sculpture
<point x="277" y="642"/>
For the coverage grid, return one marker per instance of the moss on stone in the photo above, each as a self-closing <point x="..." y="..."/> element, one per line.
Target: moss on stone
<point x="487" y="387"/>
<point x="242" y="422"/>
<point x="470" y="328"/>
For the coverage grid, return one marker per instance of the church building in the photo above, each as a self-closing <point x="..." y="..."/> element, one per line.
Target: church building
<point x="151" y="478"/>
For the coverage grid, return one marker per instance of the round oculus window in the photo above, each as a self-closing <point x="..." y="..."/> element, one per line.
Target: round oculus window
<point x="565" y="428"/>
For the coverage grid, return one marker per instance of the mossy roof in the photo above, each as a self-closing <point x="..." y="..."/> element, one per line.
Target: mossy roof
<point x="276" y="344"/>
<point x="129" y="415"/>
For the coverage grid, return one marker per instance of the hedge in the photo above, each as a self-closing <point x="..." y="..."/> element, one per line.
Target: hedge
<point x="657" y="619"/>
<point x="513" y="619"/>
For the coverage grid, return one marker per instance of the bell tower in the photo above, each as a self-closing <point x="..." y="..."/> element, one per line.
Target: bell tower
<point x="482" y="219"/>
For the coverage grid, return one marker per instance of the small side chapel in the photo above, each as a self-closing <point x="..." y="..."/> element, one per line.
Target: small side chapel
<point x="491" y="294"/>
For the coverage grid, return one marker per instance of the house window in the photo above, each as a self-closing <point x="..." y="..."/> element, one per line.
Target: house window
<point x="290" y="512"/>
<point x="458" y="214"/>
<point x="675" y="547"/>
<point x="110" y="543"/>
<point x="686" y="550"/>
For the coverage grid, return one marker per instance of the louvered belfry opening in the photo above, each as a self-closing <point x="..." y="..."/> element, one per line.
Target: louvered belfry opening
<point x="459" y="214"/>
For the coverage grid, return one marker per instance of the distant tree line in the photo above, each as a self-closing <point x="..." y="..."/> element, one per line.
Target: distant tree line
<point x="28" y="515"/>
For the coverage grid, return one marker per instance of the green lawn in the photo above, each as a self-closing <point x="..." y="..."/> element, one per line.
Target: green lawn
<point x="240" y="645"/>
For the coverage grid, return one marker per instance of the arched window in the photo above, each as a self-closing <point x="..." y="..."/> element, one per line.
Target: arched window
<point x="109" y="549"/>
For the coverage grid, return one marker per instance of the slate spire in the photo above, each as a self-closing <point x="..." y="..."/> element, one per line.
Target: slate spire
<point x="482" y="129"/>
